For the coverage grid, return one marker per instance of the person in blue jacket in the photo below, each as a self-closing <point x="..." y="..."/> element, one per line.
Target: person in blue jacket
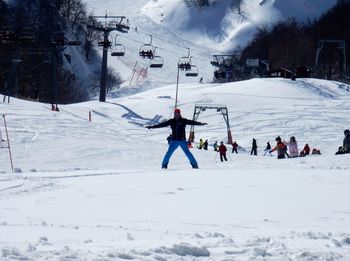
<point x="178" y="126"/>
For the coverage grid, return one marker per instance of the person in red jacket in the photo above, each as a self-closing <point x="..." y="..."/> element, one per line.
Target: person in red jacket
<point x="222" y="151"/>
<point x="234" y="147"/>
<point x="306" y="149"/>
<point x="281" y="148"/>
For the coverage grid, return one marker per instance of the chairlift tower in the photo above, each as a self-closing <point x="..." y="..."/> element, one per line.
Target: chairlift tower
<point x="107" y="24"/>
<point x="220" y="109"/>
<point x="340" y="44"/>
<point x="225" y="64"/>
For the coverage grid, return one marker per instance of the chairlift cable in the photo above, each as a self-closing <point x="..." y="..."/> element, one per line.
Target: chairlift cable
<point x="185" y="47"/>
<point x="168" y="50"/>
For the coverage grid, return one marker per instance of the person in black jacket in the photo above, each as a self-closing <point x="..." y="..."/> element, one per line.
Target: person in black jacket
<point x="178" y="126"/>
<point x="254" y="148"/>
<point x="346" y="141"/>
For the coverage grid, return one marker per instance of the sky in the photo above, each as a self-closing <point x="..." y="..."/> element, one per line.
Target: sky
<point x="93" y="188"/>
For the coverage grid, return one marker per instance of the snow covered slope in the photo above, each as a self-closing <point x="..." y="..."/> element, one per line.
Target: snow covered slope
<point x="95" y="191"/>
<point x="175" y="28"/>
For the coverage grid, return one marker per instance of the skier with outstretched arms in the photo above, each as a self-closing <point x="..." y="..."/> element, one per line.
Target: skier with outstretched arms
<point x="178" y="126"/>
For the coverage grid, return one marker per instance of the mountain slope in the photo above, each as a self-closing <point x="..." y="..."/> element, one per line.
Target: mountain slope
<point x="207" y="31"/>
<point x="95" y="190"/>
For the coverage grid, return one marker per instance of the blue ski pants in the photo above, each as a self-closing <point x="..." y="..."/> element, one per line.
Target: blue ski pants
<point x="174" y="144"/>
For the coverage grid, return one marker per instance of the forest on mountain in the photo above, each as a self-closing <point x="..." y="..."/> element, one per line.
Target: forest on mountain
<point x="37" y="38"/>
<point x="292" y="44"/>
<point x="34" y="62"/>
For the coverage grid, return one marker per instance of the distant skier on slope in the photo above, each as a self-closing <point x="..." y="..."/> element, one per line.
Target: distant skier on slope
<point x="268" y="148"/>
<point x="346" y="144"/>
<point x="346" y="141"/>
<point x="178" y="126"/>
<point x="293" y="147"/>
<point x="222" y="150"/>
<point x="281" y="148"/>
<point x="254" y="150"/>
<point x="234" y="147"/>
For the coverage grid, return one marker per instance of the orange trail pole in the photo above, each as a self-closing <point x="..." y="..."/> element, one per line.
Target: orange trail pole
<point x="8" y="141"/>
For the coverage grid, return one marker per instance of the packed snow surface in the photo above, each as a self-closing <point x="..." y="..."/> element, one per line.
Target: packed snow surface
<point x="94" y="190"/>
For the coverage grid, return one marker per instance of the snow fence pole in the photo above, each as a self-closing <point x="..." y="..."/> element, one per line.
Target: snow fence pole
<point x="8" y="141"/>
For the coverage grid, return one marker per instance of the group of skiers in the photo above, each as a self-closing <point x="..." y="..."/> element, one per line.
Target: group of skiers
<point x="178" y="139"/>
<point x="283" y="146"/>
<point x="203" y="144"/>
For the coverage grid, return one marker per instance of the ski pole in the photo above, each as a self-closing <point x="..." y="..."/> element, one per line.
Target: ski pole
<point x="8" y="141"/>
<point x="216" y="156"/>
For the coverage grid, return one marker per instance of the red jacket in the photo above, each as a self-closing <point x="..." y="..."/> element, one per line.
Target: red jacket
<point x="222" y="149"/>
<point x="280" y="147"/>
<point x="307" y="149"/>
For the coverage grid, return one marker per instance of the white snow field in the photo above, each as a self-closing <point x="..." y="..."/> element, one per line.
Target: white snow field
<point x="84" y="190"/>
<point x="94" y="190"/>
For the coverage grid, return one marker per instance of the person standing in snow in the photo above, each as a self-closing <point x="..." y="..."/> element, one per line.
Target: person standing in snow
<point x="346" y="141"/>
<point x="205" y="145"/>
<point x="222" y="151"/>
<point x="234" y="147"/>
<point x="306" y="150"/>
<point x="281" y="148"/>
<point x="201" y="144"/>
<point x="268" y="148"/>
<point x="178" y="126"/>
<point x="254" y="148"/>
<point x="215" y="146"/>
<point x="293" y="147"/>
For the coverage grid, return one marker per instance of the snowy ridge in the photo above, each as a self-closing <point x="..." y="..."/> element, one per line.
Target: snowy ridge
<point x="175" y="28"/>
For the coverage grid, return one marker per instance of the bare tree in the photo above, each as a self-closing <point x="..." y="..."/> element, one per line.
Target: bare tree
<point x="237" y="5"/>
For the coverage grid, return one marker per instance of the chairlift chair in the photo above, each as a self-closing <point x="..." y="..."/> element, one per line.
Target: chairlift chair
<point x="218" y="74"/>
<point x="118" y="50"/>
<point x="193" y="72"/>
<point x="156" y="62"/>
<point x="184" y="62"/>
<point x="102" y="42"/>
<point x="58" y="39"/>
<point x="146" y="50"/>
<point x="73" y="42"/>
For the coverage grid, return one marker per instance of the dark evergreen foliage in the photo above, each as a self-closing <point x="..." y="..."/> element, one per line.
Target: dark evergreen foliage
<point x="291" y="44"/>
<point x="33" y="37"/>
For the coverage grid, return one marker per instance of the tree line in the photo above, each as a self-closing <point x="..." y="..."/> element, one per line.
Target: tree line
<point x="34" y="62"/>
<point x="290" y="44"/>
